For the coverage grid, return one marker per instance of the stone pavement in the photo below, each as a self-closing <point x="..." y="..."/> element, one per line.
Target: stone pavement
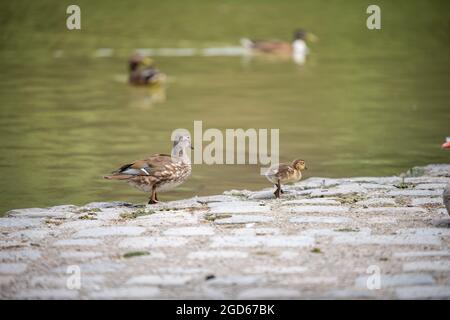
<point x="363" y="238"/>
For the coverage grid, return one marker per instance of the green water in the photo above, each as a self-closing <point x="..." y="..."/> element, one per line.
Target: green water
<point x="366" y="102"/>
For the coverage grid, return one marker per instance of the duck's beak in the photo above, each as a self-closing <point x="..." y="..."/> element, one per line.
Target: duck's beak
<point x="311" y="37"/>
<point x="446" y="145"/>
<point x="192" y="147"/>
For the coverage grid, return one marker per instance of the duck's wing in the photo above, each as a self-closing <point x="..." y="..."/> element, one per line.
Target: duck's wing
<point x="280" y="171"/>
<point x="146" y="167"/>
<point x="270" y="46"/>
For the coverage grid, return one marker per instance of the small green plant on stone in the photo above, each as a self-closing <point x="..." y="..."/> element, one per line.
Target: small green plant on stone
<point x="350" y="199"/>
<point x="136" y="213"/>
<point x="135" y="254"/>
<point x="87" y="217"/>
<point x="346" y="230"/>
<point x="316" y="250"/>
<point x="213" y="217"/>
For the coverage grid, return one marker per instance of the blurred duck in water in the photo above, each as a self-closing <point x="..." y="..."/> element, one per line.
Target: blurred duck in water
<point x="143" y="71"/>
<point x="298" y="49"/>
<point x="446" y="195"/>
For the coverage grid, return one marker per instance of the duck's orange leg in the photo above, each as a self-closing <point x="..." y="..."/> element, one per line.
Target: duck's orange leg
<point x="153" y="198"/>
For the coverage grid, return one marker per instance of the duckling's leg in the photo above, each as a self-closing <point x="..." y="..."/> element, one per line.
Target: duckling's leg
<point x="153" y="199"/>
<point x="278" y="190"/>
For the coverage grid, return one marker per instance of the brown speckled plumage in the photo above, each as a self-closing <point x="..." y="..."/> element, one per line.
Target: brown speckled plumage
<point x="285" y="173"/>
<point x="158" y="173"/>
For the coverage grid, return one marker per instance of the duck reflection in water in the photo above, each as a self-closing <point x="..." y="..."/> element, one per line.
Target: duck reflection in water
<point x="152" y="82"/>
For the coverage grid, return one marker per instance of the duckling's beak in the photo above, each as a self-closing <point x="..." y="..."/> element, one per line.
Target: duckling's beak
<point x="306" y="168"/>
<point x="446" y="145"/>
<point x="192" y="147"/>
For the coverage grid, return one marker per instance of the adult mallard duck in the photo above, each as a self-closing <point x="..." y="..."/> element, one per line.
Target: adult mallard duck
<point x="143" y="71"/>
<point x="160" y="172"/>
<point x="297" y="49"/>
<point x="285" y="173"/>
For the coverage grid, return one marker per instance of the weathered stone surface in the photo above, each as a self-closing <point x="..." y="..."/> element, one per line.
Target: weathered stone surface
<point x="423" y="292"/>
<point x="419" y="254"/>
<point x="80" y="254"/>
<point x="14" y="255"/>
<point x="150" y="242"/>
<point x="109" y="231"/>
<point x="320" y="219"/>
<point x="63" y="294"/>
<point x="313" y="201"/>
<point x="233" y="280"/>
<point x="202" y="255"/>
<point x="256" y="231"/>
<point x="78" y="242"/>
<point x="339" y="190"/>
<point x="237" y="207"/>
<point x="440" y="265"/>
<point x="268" y="293"/>
<point x="414" y="193"/>
<point x="338" y="232"/>
<point x="426" y="231"/>
<point x="126" y="293"/>
<point x="385" y="202"/>
<point x="318" y="209"/>
<point x="12" y="268"/>
<point x="190" y="231"/>
<point x="402" y="239"/>
<point x="422" y="201"/>
<point x="255" y="241"/>
<point x="20" y="222"/>
<point x="377" y="220"/>
<point x="275" y="269"/>
<point x="33" y="235"/>
<point x="93" y="282"/>
<point x="160" y="280"/>
<point x="319" y="240"/>
<point x="242" y="219"/>
<point x="405" y="279"/>
<point x="393" y="210"/>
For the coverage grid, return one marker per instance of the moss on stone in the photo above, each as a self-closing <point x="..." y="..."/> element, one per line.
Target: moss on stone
<point x="136" y="254"/>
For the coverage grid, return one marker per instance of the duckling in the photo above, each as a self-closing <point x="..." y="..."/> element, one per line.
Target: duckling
<point x="297" y="49"/>
<point x="143" y="71"/>
<point x="285" y="173"/>
<point x="160" y="172"/>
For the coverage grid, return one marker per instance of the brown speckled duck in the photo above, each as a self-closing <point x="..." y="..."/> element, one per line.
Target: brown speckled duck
<point x="297" y="49"/>
<point x="143" y="71"/>
<point x="285" y="173"/>
<point x="160" y="172"/>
